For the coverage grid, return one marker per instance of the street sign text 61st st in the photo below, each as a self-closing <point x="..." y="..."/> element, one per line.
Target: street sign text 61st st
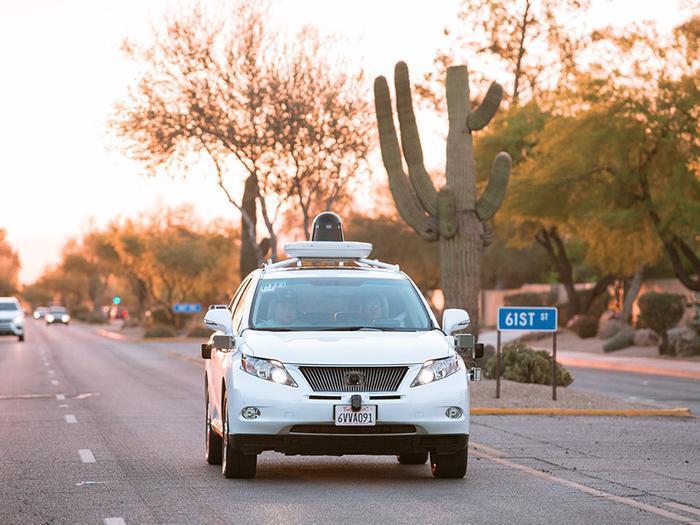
<point x="531" y="318"/>
<point x="528" y="319"/>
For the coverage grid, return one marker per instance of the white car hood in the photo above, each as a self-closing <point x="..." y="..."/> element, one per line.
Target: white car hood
<point x="347" y="348"/>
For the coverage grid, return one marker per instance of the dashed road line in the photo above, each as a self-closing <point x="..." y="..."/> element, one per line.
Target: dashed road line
<point x="51" y="372"/>
<point x="54" y="382"/>
<point x="86" y="455"/>
<point x="61" y="397"/>
<point x="114" y="521"/>
<point x="70" y="418"/>
<point x="584" y="488"/>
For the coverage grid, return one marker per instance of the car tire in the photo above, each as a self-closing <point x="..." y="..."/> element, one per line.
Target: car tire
<point x="212" y="441"/>
<point x="234" y="464"/>
<point x="414" y="458"/>
<point x="451" y="466"/>
<point x="21" y="338"/>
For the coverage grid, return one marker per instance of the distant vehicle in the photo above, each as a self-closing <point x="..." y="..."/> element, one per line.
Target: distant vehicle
<point x="117" y="312"/>
<point x="11" y="317"/>
<point x="57" y="314"/>
<point x="40" y="312"/>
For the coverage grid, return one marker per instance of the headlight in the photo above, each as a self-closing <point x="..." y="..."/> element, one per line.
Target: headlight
<point x="65" y="318"/>
<point x="49" y="318"/>
<point x="267" y="369"/>
<point x="437" y="369"/>
<point x="18" y="320"/>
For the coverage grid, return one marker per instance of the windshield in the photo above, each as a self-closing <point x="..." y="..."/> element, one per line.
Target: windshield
<point x="8" y="307"/>
<point x="57" y="310"/>
<point x="338" y="303"/>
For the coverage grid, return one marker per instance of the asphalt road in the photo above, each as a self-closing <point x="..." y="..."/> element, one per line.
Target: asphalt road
<point x="100" y="431"/>
<point x="671" y="391"/>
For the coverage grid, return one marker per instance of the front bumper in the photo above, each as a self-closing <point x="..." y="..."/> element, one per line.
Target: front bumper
<point x="300" y="421"/>
<point x="10" y="328"/>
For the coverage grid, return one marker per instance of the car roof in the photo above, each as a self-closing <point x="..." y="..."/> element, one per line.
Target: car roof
<point x="8" y="300"/>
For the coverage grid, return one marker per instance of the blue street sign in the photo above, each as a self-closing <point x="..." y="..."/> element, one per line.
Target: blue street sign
<point x="532" y="318"/>
<point x="187" y="308"/>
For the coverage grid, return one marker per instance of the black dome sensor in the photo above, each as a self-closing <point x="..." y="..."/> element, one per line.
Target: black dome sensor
<point x="327" y="227"/>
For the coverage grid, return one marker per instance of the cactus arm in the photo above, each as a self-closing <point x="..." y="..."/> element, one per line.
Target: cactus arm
<point x="487" y="234"/>
<point x="447" y="212"/>
<point x="485" y="112"/>
<point x="491" y="199"/>
<point x="407" y="203"/>
<point x="410" y="142"/>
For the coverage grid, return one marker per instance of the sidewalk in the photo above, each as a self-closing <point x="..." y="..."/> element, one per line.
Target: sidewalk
<point x="640" y="365"/>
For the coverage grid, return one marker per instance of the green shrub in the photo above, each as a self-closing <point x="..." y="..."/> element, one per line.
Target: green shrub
<point x="159" y="330"/>
<point x="525" y="365"/>
<point x="199" y="331"/>
<point x="661" y="312"/>
<point x="622" y="339"/>
<point x="160" y="316"/>
<point x="525" y="299"/>
<point x="95" y="318"/>
<point x="599" y="305"/>
<point x="584" y="326"/>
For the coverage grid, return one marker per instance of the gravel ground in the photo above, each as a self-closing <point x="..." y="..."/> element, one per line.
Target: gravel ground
<point x="521" y="395"/>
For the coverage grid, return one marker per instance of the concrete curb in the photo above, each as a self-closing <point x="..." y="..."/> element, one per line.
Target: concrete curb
<point x="655" y="412"/>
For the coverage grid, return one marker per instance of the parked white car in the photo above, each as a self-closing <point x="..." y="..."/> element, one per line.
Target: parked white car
<point x="329" y="353"/>
<point x="11" y="318"/>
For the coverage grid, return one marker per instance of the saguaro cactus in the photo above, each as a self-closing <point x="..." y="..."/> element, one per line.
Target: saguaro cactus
<point x="453" y="216"/>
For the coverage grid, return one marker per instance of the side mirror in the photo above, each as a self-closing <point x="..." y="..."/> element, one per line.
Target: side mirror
<point x="454" y="320"/>
<point x="218" y="317"/>
<point x="224" y="342"/>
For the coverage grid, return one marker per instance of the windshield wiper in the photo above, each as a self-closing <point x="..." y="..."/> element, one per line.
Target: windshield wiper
<point x="352" y="329"/>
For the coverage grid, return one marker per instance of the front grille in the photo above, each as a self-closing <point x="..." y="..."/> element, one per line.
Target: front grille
<point x="332" y="429"/>
<point x="354" y="379"/>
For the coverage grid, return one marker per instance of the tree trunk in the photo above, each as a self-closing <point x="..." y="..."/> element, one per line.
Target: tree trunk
<point x="249" y="258"/>
<point x="631" y="295"/>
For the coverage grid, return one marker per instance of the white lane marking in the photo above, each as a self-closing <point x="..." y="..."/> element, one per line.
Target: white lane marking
<point x="680" y="506"/>
<point x="51" y="372"/>
<point x="46" y="363"/>
<point x="114" y="521"/>
<point x="86" y="455"/>
<point x="70" y="418"/>
<point x="61" y="397"/>
<point x="62" y="406"/>
<point x="588" y="490"/>
<point x="54" y="382"/>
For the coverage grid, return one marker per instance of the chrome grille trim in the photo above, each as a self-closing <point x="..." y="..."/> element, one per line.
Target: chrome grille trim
<point x="332" y="378"/>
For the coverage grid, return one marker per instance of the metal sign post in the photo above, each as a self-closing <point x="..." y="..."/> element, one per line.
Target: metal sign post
<point x="528" y="319"/>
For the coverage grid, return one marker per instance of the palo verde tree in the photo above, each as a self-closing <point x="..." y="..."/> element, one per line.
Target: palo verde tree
<point x="454" y="215"/>
<point x="9" y="266"/>
<point x="229" y="91"/>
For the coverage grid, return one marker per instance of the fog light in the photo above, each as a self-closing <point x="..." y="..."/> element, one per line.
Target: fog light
<point x="453" y="412"/>
<point x="250" y="413"/>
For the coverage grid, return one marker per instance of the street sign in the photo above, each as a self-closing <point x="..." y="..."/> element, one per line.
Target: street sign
<point x="187" y="308"/>
<point x="528" y="318"/>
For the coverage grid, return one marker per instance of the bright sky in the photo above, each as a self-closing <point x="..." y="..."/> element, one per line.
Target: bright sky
<point x="62" y="71"/>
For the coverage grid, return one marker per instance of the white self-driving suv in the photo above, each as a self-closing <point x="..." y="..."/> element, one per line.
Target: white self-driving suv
<point x="329" y="353"/>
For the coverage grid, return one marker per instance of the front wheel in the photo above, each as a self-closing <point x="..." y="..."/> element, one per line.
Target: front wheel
<point x="212" y="444"/>
<point x="234" y="463"/>
<point x="452" y="466"/>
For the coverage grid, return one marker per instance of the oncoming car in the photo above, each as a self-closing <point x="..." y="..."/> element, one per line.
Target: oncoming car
<point x="11" y="318"/>
<point x="329" y="353"/>
<point x="57" y="315"/>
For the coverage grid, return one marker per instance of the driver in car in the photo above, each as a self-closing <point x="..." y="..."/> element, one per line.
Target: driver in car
<point x="284" y="311"/>
<point x="374" y="308"/>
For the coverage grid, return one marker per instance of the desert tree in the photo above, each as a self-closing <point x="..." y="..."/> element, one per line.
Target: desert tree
<point x="235" y="93"/>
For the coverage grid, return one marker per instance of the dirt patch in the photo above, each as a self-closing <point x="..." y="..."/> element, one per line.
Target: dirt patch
<point x="523" y="395"/>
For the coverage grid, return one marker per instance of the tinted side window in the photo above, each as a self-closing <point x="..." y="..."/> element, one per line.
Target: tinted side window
<point x="237" y="295"/>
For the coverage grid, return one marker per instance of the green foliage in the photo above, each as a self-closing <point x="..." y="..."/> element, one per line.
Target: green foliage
<point x="622" y="339"/>
<point x="90" y="317"/>
<point x="9" y="267"/>
<point x="526" y="299"/>
<point x="159" y="330"/>
<point x="523" y="364"/>
<point x="503" y="266"/>
<point x="660" y="311"/>
<point x="585" y="326"/>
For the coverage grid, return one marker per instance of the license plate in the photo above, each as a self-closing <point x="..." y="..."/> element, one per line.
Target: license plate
<point x="345" y="417"/>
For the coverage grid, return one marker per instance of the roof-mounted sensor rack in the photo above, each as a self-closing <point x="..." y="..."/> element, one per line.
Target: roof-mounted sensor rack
<point x="340" y="251"/>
